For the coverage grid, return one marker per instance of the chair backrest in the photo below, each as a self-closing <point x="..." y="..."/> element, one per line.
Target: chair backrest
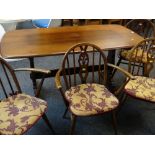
<point x="82" y="59"/>
<point x="68" y="22"/>
<point x="142" y="53"/>
<point x="9" y="84"/>
<point x="115" y="21"/>
<point x="93" y="21"/>
<point x="143" y="27"/>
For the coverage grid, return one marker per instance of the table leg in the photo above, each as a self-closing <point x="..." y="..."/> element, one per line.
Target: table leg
<point x="110" y="59"/>
<point x="32" y="77"/>
<point x="111" y="56"/>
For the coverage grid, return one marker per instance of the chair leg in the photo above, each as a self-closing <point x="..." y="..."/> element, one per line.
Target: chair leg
<point x="122" y="101"/>
<point x="48" y="123"/>
<point x="73" y="122"/>
<point x="114" y="122"/>
<point x="64" y="115"/>
<point x="114" y="70"/>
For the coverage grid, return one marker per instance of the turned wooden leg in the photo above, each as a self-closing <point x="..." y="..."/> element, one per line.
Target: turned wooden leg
<point x="114" y="122"/>
<point x="110" y="59"/>
<point x="32" y="77"/>
<point x="122" y="101"/>
<point x="73" y="122"/>
<point x="64" y="115"/>
<point x="48" y="123"/>
<point x="114" y="70"/>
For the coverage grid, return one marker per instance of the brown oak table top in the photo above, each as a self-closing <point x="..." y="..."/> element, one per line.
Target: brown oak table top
<point x="53" y="41"/>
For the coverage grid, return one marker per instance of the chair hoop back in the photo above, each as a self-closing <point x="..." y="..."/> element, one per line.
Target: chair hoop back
<point x="8" y="80"/>
<point x="143" y="53"/>
<point x="82" y="59"/>
<point x="143" y="27"/>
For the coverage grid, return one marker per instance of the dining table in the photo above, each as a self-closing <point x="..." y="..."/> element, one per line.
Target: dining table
<point x="41" y="42"/>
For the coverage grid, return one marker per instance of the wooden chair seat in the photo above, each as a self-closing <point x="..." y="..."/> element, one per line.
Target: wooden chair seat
<point x="90" y="99"/>
<point x="142" y="88"/>
<point x="19" y="112"/>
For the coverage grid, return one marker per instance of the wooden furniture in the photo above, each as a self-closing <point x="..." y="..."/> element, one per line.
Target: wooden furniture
<point x="141" y="87"/>
<point x="32" y="43"/>
<point x="19" y="111"/>
<point x="86" y="94"/>
<point x="93" y="21"/>
<point x="99" y="21"/>
<point x="142" y="55"/>
<point x="104" y="21"/>
<point x="143" y="27"/>
<point x="2" y="33"/>
<point x="115" y="21"/>
<point x="67" y="22"/>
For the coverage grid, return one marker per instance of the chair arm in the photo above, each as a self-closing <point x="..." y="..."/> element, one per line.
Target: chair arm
<point x="122" y="70"/>
<point x="129" y="77"/>
<point x="36" y="70"/>
<point x="57" y="80"/>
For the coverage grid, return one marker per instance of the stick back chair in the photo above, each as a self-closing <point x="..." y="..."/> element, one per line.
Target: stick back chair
<point x="84" y="83"/>
<point x="19" y="111"/>
<point x="141" y="87"/>
<point x="143" y="27"/>
<point x="142" y="55"/>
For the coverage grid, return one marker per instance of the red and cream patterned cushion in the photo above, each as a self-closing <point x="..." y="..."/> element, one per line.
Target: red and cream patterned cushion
<point x="137" y="56"/>
<point x="90" y="99"/>
<point x="142" y="88"/>
<point x="19" y="112"/>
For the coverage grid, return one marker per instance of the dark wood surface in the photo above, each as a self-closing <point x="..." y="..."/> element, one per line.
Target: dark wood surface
<point x="55" y="41"/>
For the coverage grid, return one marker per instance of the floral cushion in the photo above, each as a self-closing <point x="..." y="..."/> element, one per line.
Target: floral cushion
<point x="137" y="56"/>
<point x="90" y="99"/>
<point x="19" y="112"/>
<point x="141" y="87"/>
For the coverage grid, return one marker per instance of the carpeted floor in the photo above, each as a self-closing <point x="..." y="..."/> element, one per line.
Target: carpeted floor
<point x="135" y="118"/>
